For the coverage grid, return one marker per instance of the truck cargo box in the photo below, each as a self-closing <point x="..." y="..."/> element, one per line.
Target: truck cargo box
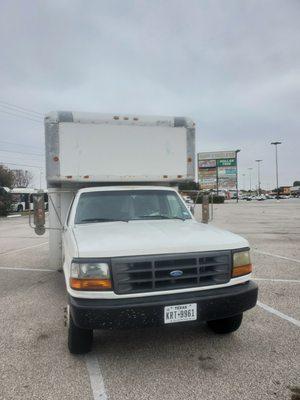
<point x="92" y="147"/>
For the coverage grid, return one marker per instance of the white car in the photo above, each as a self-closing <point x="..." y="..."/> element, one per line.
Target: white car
<point x="260" y="197"/>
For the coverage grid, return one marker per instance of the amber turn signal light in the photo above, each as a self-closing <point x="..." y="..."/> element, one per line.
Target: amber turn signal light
<point x="90" y="284"/>
<point x="241" y="270"/>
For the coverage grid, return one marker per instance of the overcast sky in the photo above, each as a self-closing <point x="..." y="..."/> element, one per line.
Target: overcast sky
<point x="233" y="66"/>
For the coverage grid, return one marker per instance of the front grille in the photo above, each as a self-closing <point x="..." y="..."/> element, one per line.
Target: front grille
<point x="153" y="273"/>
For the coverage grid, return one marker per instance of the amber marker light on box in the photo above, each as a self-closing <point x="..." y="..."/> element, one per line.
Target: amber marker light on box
<point x="241" y="263"/>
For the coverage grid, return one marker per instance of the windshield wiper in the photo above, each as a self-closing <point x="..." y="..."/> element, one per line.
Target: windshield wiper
<point x="102" y="220"/>
<point x="159" y="216"/>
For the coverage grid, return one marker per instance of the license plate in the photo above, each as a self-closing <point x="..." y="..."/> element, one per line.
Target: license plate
<point x="180" y="313"/>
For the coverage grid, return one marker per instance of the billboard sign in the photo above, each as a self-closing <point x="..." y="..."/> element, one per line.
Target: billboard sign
<point x="227" y="183"/>
<point x="217" y="170"/>
<point x="226" y="162"/>
<point x="207" y="164"/>
<point x="216" y="155"/>
<point x="226" y="171"/>
<point x="227" y="177"/>
<point x="208" y="178"/>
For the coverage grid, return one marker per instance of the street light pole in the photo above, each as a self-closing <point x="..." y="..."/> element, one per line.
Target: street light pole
<point x="244" y="187"/>
<point x="237" y="177"/>
<point x="250" y="187"/>
<point x="258" y="175"/>
<point x="276" y="158"/>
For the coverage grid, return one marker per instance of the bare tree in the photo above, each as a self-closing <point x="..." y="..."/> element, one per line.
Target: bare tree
<point x="22" y="178"/>
<point x="6" y="177"/>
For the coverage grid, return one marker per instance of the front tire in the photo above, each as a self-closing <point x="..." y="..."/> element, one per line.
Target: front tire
<point x="79" y="340"/>
<point x="226" y="325"/>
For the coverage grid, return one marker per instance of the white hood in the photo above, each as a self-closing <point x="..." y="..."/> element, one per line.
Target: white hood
<point x="113" y="239"/>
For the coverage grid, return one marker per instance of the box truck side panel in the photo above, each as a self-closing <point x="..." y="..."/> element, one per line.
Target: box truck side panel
<point x="120" y="152"/>
<point x="59" y="204"/>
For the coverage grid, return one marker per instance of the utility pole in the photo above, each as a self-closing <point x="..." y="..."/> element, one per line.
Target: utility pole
<point x="250" y="183"/>
<point x="258" y="175"/>
<point x="276" y="158"/>
<point x="237" y="177"/>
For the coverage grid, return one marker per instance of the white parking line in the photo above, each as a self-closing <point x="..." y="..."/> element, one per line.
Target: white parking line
<point x="28" y="269"/>
<point x="279" y="314"/>
<point x="277" y="256"/>
<point x="277" y="280"/>
<point x="96" y="378"/>
<point x="23" y="248"/>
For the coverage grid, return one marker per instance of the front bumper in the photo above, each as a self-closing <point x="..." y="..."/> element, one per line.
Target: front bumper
<point x="149" y="311"/>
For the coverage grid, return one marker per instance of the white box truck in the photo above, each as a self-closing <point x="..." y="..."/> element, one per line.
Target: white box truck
<point x="131" y="251"/>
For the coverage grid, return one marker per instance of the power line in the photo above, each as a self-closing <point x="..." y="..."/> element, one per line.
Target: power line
<point x="22" y="116"/>
<point x="19" y="112"/>
<point x="23" y="152"/>
<point x="21" y="165"/>
<point x="21" y="108"/>
<point x="19" y="144"/>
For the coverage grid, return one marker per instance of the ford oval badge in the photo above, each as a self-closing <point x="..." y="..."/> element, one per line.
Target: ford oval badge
<point x="176" y="273"/>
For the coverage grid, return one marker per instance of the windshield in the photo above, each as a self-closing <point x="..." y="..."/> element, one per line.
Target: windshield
<point x="128" y="205"/>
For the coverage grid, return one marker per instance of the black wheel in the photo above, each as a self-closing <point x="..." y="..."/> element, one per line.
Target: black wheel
<point x="226" y="325"/>
<point x="20" y="208"/>
<point x="79" y="340"/>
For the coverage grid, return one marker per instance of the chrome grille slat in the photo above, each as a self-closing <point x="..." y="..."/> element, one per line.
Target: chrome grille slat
<point x="182" y="268"/>
<point x="152" y="273"/>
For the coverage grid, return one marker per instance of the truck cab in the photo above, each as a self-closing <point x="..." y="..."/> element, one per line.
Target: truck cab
<point x="133" y="254"/>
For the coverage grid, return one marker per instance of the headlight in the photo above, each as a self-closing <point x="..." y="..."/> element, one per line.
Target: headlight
<point x="90" y="276"/>
<point x="241" y="263"/>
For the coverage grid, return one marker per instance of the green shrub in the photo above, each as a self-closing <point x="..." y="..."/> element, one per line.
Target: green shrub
<point x="216" y="199"/>
<point x="5" y="203"/>
<point x="188" y="186"/>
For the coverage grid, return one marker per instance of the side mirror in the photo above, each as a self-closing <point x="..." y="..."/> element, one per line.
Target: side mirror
<point x="39" y="213"/>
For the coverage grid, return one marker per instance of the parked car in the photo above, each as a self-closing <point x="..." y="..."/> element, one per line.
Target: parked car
<point x="260" y="197"/>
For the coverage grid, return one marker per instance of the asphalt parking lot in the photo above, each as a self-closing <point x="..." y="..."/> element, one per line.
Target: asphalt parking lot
<point x="259" y="361"/>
